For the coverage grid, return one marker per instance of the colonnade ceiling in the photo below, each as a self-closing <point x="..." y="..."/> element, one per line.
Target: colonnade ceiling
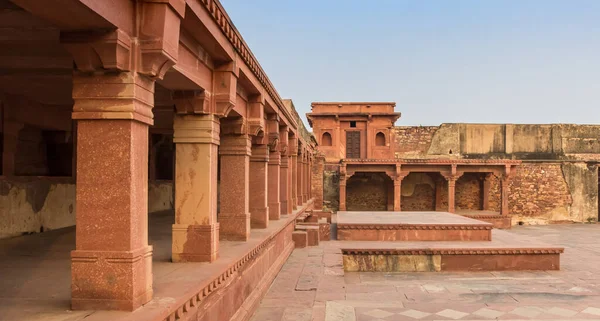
<point x="32" y="61"/>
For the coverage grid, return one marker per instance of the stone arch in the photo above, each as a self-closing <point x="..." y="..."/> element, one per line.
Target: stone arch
<point x="380" y="139"/>
<point x="326" y="139"/>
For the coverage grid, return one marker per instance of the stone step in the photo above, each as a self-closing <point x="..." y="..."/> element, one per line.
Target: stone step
<point x="300" y="239"/>
<point x="507" y="252"/>
<point x="410" y="226"/>
<point x="312" y="231"/>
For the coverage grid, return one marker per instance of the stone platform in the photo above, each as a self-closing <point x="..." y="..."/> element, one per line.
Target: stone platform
<point x="410" y="226"/>
<point x="494" y="218"/>
<point x="506" y="252"/>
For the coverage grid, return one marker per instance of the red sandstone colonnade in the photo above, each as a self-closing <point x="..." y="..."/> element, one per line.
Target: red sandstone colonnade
<point x="450" y="170"/>
<point x="177" y="67"/>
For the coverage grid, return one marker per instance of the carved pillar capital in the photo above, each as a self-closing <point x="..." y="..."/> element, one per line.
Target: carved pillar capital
<point x="196" y="129"/>
<point x="125" y="95"/>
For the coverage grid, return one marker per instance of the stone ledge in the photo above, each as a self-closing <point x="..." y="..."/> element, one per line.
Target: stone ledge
<point x="412" y="227"/>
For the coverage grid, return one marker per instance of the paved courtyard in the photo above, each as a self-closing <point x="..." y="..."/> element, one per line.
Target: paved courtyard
<point x="313" y="286"/>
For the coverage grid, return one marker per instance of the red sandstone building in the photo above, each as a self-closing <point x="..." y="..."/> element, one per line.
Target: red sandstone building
<point x="502" y="173"/>
<point x="112" y="110"/>
<point x="161" y="173"/>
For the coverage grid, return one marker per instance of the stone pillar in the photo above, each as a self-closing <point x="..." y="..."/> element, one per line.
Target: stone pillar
<point x="196" y="231"/>
<point x="11" y="140"/>
<point x="504" y="195"/>
<point x="486" y="192"/>
<point x="234" y="217"/>
<point x="284" y="190"/>
<point x="300" y="179"/>
<point x="451" y="193"/>
<point x="294" y="170"/>
<point x="259" y="211"/>
<point x="274" y="185"/>
<point x="111" y="266"/>
<point x="307" y="173"/>
<point x="397" y="194"/>
<point x="309" y="178"/>
<point x="342" y="192"/>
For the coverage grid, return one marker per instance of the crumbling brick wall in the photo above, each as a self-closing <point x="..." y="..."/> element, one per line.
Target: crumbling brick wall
<point x="468" y="192"/>
<point x="367" y="192"/>
<point x="412" y="142"/>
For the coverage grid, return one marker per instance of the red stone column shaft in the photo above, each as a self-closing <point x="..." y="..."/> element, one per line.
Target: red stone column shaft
<point x="451" y="194"/>
<point x="290" y="204"/>
<point x="342" y="192"/>
<point x="397" y="194"/>
<point x="111" y="266"/>
<point x="259" y="211"/>
<point x="234" y="217"/>
<point x="295" y="179"/>
<point x="504" y="195"/>
<point x="196" y="231"/>
<point x="284" y="185"/>
<point x="300" y="180"/>
<point x="307" y="179"/>
<point x="274" y="185"/>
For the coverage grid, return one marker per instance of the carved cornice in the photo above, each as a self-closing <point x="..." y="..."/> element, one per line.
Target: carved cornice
<point x="151" y="50"/>
<point x="454" y="251"/>
<point x="342" y="226"/>
<point x="498" y="162"/>
<point x="218" y="14"/>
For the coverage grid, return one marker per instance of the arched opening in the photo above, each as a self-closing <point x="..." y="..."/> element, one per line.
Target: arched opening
<point x="419" y="192"/>
<point x="380" y="139"/>
<point x="326" y="139"/>
<point x="369" y="192"/>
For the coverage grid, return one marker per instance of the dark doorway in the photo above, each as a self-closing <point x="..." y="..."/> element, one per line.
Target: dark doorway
<point x="352" y="144"/>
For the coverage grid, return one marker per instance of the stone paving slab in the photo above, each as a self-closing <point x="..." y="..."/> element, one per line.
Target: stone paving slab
<point x="570" y="294"/>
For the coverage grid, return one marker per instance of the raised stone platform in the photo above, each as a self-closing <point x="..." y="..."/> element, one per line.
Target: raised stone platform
<point x="506" y="252"/>
<point x="410" y="226"/>
<point x="494" y="218"/>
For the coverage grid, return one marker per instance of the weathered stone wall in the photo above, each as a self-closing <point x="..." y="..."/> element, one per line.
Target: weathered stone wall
<point x="160" y="196"/>
<point x="38" y="204"/>
<point x="33" y="205"/>
<point x="317" y="176"/>
<point x="413" y="141"/>
<point x="367" y="192"/>
<point x="418" y="193"/>
<point x="331" y="188"/>
<point x="468" y="192"/>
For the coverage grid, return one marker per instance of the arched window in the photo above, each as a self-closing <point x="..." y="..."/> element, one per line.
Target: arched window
<point x="380" y="139"/>
<point x="326" y="139"/>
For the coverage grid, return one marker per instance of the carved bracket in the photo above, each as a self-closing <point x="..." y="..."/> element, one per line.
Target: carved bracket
<point x="93" y="51"/>
<point x="192" y="102"/>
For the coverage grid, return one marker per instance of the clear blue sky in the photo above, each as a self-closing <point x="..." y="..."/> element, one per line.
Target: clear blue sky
<point x="484" y="61"/>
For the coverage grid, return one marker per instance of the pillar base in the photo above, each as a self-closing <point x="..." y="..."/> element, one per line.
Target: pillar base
<point x="234" y="228"/>
<point x="111" y="280"/>
<point x="275" y="211"/>
<point x="284" y="207"/>
<point x="195" y="243"/>
<point x="259" y="217"/>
